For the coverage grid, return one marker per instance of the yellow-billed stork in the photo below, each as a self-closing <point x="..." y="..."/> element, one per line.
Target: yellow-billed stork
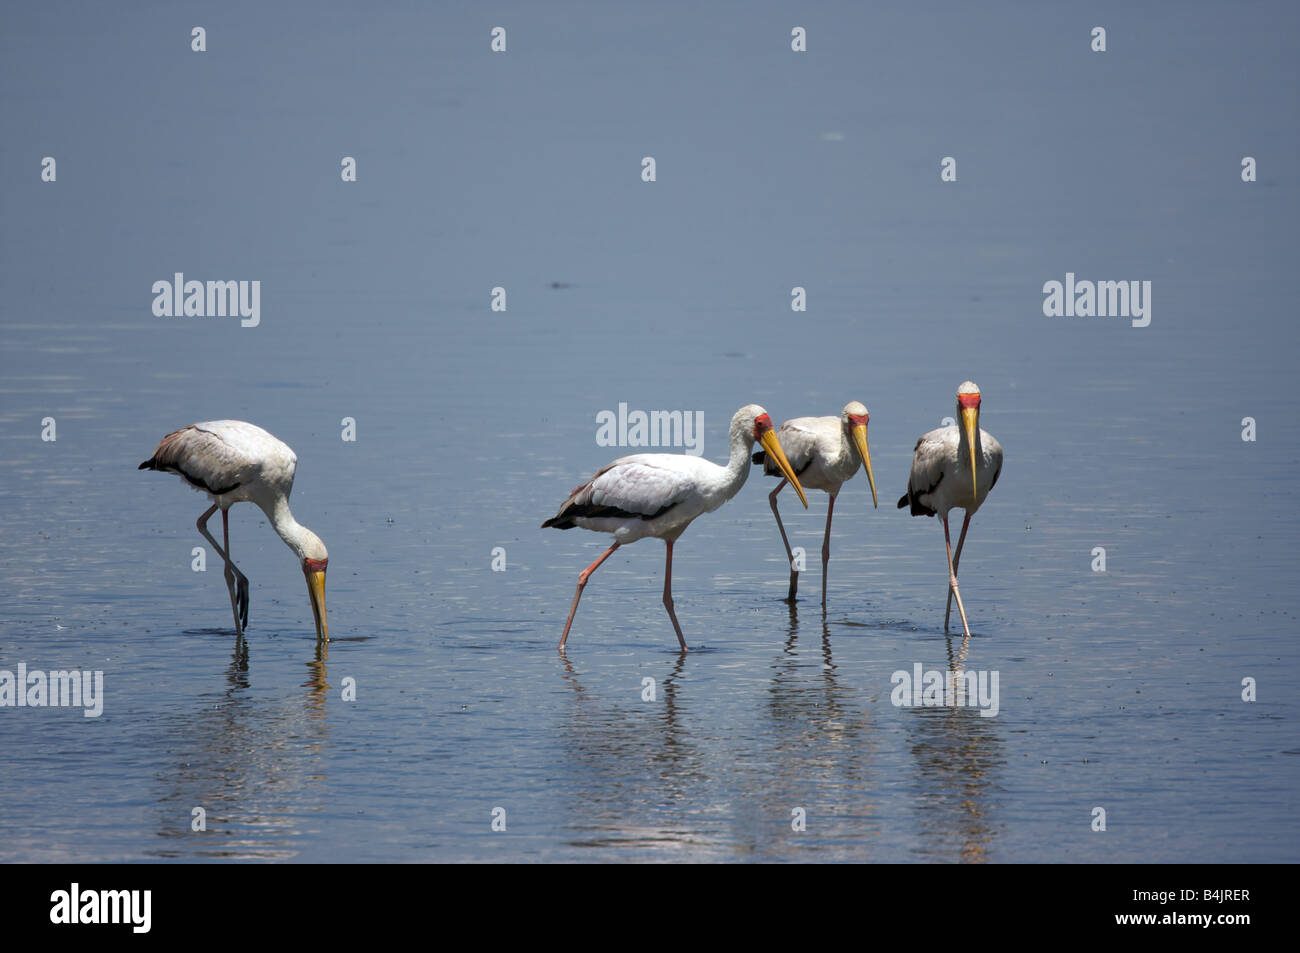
<point x="824" y="452"/>
<point x="232" y="462"/>
<point x="659" y="494"/>
<point x="954" y="466"/>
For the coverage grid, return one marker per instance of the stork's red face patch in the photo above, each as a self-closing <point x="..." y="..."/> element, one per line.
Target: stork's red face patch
<point x="968" y="400"/>
<point x="315" y="565"/>
<point x="762" y="424"/>
<point x="856" y="421"/>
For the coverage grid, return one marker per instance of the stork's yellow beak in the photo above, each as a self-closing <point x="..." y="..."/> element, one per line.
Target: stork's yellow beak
<point x="860" y="438"/>
<point x="316" y="590"/>
<point x="774" y="451"/>
<point x="970" y="421"/>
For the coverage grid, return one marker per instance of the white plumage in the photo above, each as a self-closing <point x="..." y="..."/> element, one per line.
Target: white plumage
<point x="659" y="494"/>
<point x="954" y="467"/>
<point x="232" y="462"/>
<point x="940" y="477"/>
<point x="825" y="452"/>
<point x="677" y="487"/>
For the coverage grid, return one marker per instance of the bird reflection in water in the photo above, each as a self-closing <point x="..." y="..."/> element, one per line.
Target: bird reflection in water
<point x="232" y="761"/>
<point x="630" y="769"/>
<point x="821" y="744"/>
<point x="959" y="757"/>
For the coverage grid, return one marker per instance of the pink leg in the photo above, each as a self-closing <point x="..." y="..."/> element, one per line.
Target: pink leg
<point x="789" y="555"/>
<point x="952" y="576"/>
<point x="826" y="549"/>
<point x="956" y="563"/>
<point x="582" y="582"/>
<point x="668" y="594"/>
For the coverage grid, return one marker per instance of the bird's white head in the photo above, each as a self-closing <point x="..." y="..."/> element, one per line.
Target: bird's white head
<point x="968" y="410"/>
<point x="752" y="424"/>
<point x="854" y="419"/>
<point x="744" y="420"/>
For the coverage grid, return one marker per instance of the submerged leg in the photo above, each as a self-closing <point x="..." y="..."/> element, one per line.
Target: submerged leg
<point x="956" y="564"/>
<point x="668" y="593"/>
<point x="582" y="582"/>
<point x="789" y="555"/>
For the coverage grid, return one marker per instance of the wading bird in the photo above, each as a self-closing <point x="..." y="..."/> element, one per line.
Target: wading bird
<point x="658" y="494"/>
<point x="824" y="451"/>
<point x="233" y="461"/>
<point x="954" y="466"/>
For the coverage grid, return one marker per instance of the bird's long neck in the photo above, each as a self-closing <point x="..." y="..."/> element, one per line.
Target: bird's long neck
<point x="737" y="470"/>
<point x="845" y="453"/>
<point x="294" y="534"/>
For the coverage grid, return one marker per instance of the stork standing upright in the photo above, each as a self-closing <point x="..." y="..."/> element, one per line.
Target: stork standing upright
<point x="659" y="494"/>
<point x="233" y="461"/>
<point x="825" y="452"/>
<point x="954" y="466"/>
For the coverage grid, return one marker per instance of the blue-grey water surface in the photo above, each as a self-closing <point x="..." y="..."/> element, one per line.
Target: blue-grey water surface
<point x="775" y="169"/>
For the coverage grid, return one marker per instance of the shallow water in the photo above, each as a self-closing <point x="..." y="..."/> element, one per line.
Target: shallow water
<point x="1119" y="690"/>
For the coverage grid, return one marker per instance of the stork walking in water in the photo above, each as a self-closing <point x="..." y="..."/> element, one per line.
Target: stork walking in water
<point x="824" y="452"/>
<point x="233" y="461"/>
<point x="954" y="466"/>
<point x="659" y="494"/>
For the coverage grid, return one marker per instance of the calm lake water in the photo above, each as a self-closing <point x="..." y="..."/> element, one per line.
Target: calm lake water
<point x="1119" y="690"/>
